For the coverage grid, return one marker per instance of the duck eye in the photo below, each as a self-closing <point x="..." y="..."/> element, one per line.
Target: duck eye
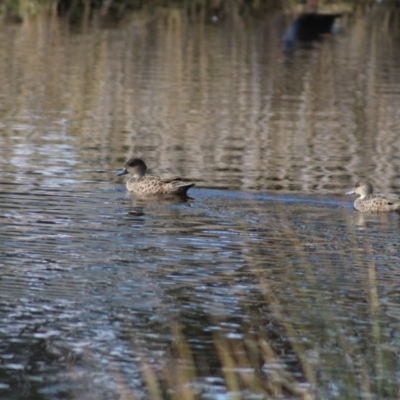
<point x="357" y="185"/>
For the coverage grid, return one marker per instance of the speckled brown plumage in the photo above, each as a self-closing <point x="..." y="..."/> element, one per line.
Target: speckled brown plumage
<point x="141" y="184"/>
<point x="369" y="201"/>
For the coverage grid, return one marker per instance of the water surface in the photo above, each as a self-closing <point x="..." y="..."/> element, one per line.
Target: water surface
<point x="96" y="285"/>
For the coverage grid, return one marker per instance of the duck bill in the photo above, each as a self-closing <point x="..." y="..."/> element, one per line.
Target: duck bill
<point x="351" y="192"/>
<point x="123" y="172"/>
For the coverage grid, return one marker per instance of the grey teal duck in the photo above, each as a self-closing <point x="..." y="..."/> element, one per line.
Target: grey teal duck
<point x="141" y="184"/>
<point x="370" y="201"/>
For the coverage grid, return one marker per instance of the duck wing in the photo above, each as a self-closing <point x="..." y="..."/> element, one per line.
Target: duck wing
<point x="163" y="178"/>
<point x="391" y="198"/>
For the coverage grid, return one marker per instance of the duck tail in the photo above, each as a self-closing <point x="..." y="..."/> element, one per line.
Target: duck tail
<point x="184" y="188"/>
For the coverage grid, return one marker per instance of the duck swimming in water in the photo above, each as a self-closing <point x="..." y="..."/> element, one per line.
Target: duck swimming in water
<point x="370" y="201"/>
<point x="141" y="184"/>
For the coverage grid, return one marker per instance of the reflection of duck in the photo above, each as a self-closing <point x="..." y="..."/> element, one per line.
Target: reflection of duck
<point x="368" y="201"/>
<point x="151" y="185"/>
<point x="308" y="27"/>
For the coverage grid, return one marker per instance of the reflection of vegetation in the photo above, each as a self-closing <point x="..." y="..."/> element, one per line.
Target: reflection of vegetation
<point x="331" y="344"/>
<point x="116" y="7"/>
<point x="78" y="8"/>
<point x="276" y="358"/>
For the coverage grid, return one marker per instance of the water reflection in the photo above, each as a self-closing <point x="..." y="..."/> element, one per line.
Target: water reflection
<point x="205" y="100"/>
<point x="99" y="285"/>
<point x="307" y="28"/>
<point x="369" y="219"/>
<point x="275" y="270"/>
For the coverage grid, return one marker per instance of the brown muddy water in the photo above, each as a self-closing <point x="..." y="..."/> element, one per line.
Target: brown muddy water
<point x="265" y="283"/>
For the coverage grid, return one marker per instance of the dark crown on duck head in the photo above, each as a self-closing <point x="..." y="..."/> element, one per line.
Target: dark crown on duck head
<point x="135" y="162"/>
<point x="135" y="166"/>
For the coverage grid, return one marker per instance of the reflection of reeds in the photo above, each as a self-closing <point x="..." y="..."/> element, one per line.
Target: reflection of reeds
<point x="210" y="99"/>
<point x="78" y="8"/>
<point x="295" y="331"/>
<point x="327" y="356"/>
<point x="246" y="366"/>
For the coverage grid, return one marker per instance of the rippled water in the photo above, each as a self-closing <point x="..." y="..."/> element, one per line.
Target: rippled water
<point x="95" y="284"/>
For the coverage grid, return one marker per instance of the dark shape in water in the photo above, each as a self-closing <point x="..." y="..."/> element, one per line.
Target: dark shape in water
<point x="308" y="27"/>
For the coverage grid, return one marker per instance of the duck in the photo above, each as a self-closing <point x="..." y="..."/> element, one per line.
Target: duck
<point x="141" y="184"/>
<point x="370" y="201"/>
